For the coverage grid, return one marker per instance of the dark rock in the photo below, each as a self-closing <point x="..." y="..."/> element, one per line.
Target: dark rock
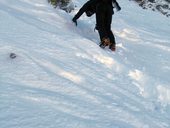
<point x="12" y="55"/>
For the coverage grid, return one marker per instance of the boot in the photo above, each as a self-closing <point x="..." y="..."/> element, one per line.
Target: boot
<point x="102" y="45"/>
<point x="106" y="41"/>
<point x="112" y="47"/>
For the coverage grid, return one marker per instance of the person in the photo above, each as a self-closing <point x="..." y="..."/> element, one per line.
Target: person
<point x="104" y="12"/>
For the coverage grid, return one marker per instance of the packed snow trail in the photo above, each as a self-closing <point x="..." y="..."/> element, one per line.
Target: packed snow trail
<point x="61" y="78"/>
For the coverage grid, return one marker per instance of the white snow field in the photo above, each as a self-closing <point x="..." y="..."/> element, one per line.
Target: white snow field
<point x="61" y="78"/>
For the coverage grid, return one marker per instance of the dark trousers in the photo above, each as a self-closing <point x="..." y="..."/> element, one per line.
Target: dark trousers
<point x="104" y="14"/>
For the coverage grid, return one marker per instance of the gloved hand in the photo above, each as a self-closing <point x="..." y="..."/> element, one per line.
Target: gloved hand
<point x="75" y="21"/>
<point x="118" y="8"/>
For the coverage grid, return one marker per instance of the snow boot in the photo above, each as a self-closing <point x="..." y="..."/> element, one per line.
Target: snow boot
<point x="112" y="47"/>
<point x="105" y="42"/>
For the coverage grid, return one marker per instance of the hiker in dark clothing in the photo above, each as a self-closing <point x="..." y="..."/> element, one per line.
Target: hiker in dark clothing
<point x="104" y="12"/>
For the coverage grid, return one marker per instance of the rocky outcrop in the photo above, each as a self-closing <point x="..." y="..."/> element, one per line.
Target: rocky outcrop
<point x="162" y="6"/>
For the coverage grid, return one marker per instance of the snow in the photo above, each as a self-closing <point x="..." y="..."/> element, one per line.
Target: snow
<point x="61" y="78"/>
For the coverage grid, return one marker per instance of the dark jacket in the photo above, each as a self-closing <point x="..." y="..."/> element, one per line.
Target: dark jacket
<point x="90" y="7"/>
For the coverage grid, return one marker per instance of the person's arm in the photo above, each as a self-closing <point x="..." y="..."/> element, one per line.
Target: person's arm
<point x="80" y="12"/>
<point x="116" y="5"/>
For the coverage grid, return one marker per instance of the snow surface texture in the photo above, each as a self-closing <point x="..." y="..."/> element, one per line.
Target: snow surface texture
<point x="61" y="78"/>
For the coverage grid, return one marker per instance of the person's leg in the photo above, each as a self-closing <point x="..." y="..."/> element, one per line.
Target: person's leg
<point x="100" y="17"/>
<point x="101" y="24"/>
<point x="108" y="23"/>
<point x="108" y="27"/>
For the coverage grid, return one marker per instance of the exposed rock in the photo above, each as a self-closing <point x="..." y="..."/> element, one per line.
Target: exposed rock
<point x="162" y="6"/>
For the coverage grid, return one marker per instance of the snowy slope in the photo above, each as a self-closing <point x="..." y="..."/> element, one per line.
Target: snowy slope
<point x="62" y="79"/>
